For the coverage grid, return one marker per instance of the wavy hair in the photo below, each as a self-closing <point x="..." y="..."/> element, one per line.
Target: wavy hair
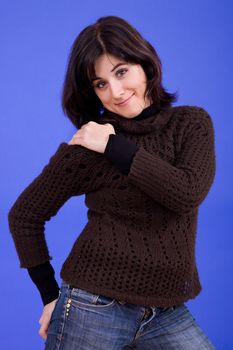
<point x="108" y="35"/>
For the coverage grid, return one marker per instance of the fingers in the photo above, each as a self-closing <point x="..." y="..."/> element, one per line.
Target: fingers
<point x="71" y="142"/>
<point x="43" y="331"/>
<point x="92" y="136"/>
<point x="45" y="318"/>
<point x="75" y="140"/>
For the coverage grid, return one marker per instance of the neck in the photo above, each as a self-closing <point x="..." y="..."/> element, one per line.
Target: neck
<point x="149" y="120"/>
<point x="146" y="112"/>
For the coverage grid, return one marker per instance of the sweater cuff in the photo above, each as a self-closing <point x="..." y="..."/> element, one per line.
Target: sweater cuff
<point x="43" y="277"/>
<point x="120" y="152"/>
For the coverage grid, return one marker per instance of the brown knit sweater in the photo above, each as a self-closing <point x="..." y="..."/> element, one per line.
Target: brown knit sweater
<point x="139" y="242"/>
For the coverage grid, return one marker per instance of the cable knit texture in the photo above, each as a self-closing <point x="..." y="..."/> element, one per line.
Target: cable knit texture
<point x="139" y="242"/>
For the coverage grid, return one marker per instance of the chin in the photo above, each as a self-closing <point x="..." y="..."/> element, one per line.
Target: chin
<point x="133" y="113"/>
<point x="127" y="112"/>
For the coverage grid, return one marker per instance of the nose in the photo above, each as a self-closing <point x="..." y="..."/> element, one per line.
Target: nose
<point x="117" y="89"/>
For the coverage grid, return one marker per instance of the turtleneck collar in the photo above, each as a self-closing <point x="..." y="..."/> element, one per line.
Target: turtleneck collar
<point x="150" y="119"/>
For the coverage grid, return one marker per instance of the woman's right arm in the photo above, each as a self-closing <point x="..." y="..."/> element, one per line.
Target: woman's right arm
<point x="73" y="170"/>
<point x="43" y="276"/>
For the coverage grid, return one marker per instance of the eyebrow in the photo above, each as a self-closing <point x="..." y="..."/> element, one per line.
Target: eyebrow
<point x="116" y="66"/>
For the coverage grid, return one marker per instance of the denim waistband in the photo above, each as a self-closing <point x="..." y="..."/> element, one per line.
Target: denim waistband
<point x="65" y="285"/>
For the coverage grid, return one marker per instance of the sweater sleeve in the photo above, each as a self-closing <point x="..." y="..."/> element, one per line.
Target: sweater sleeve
<point x="120" y="152"/>
<point x="44" y="278"/>
<point x="183" y="186"/>
<point x="72" y="170"/>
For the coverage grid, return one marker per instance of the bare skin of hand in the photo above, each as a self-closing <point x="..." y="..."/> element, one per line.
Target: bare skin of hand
<point x="45" y="319"/>
<point x="93" y="136"/>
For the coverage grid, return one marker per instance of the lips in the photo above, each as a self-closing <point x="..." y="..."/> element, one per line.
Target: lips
<point x="124" y="102"/>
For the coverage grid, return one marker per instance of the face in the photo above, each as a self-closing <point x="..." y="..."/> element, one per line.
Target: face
<point x="120" y="86"/>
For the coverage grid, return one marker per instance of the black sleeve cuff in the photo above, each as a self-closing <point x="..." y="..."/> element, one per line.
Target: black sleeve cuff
<point x="120" y="152"/>
<point x="43" y="277"/>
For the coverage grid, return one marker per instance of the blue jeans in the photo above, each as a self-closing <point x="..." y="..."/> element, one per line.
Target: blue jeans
<point x="85" y="321"/>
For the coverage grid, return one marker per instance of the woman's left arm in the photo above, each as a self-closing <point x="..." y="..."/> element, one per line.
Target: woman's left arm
<point x="180" y="187"/>
<point x="183" y="187"/>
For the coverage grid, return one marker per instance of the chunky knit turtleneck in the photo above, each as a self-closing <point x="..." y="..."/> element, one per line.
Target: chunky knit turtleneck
<point x="150" y="111"/>
<point x="139" y="242"/>
<point x="120" y="152"/>
<point x="149" y="120"/>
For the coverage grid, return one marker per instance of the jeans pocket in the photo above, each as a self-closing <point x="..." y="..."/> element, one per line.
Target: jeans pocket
<point x="166" y="311"/>
<point x="59" y="306"/>
<point x="57" y="322"/>
<point x="86" y="300"/>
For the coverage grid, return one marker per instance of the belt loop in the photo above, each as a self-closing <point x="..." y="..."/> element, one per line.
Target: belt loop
<point x="95" y="298"/>
<point x="69" y="291"/>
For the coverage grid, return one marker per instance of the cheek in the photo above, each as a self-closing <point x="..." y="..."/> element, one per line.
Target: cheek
<point x="142" y="88"/>
<point x="139" y="90"/>
<point x="104" y="96"/>
<point x="138" y="85"/>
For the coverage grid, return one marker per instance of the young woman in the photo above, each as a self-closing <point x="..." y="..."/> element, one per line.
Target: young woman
<point x="144" y="167"/>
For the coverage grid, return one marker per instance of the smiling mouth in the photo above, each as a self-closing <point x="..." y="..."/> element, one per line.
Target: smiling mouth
<point x="124" y="102"/>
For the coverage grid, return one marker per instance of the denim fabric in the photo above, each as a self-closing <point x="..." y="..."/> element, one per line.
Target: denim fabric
<point x="85" y="321"/>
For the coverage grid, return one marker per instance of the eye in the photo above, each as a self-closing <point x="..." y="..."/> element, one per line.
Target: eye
<point x="99" y="85"/>
<point x="121" y="72"/>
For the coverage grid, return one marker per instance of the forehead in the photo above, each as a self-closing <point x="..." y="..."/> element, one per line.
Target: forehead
<point x="105" y="63"/>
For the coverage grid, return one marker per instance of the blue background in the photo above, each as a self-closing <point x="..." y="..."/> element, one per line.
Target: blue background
<point x="193" y="39"/>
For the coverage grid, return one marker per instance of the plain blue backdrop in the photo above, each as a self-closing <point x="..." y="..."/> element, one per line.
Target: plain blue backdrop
<point x="193" y="39"/>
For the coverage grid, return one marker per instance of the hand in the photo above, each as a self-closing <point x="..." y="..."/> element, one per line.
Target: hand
<point x="45" y="319"/>
<point x="93" y="136"/>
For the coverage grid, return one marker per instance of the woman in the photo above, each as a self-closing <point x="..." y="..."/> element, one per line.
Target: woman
<point x="144" y="167"/>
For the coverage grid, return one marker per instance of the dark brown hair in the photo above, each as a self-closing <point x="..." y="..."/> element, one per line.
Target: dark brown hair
<point x="111" y="35"/>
